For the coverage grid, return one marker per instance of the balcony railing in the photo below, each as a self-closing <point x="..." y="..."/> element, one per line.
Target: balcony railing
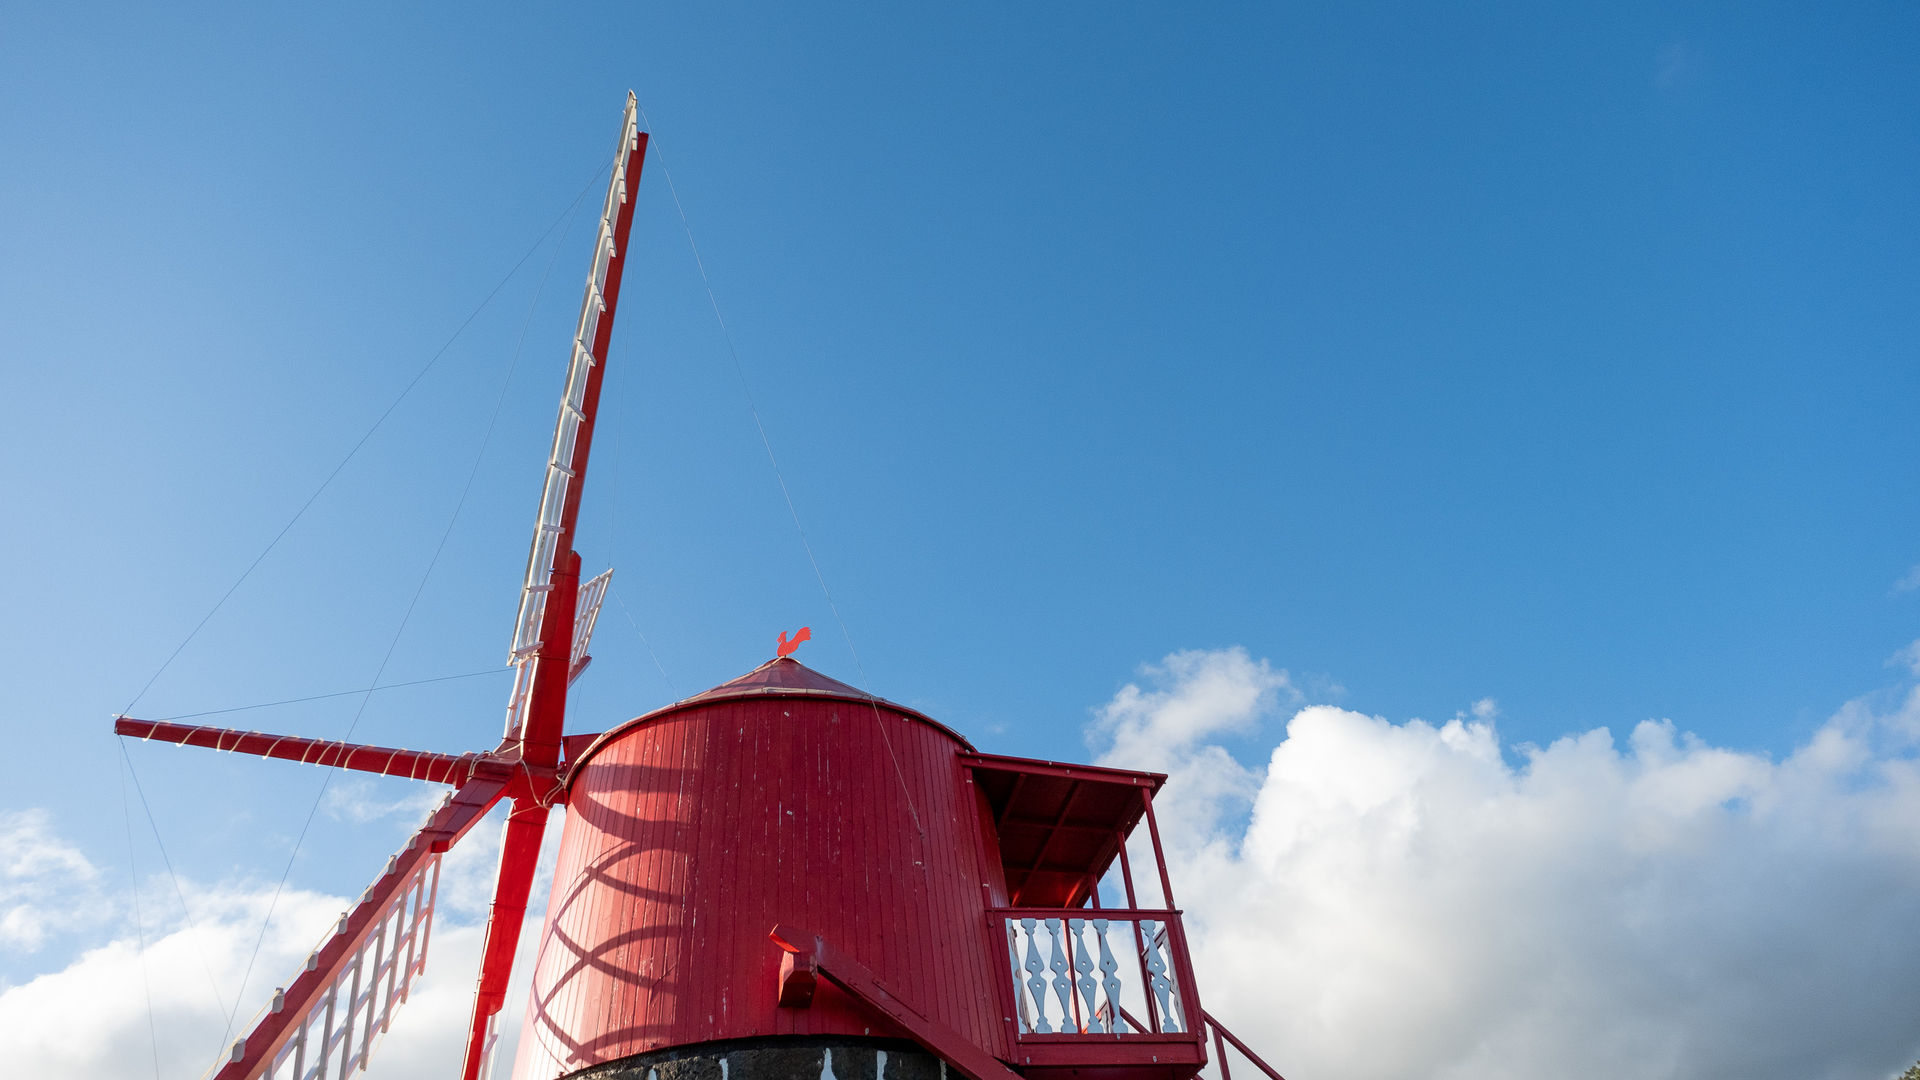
<point x="1112" y="974"/>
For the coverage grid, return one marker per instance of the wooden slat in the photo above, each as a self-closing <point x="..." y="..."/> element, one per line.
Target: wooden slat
<point x="844" y="859"/>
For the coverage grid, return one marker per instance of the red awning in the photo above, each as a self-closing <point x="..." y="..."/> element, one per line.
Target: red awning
<point x="1060" y="826"/>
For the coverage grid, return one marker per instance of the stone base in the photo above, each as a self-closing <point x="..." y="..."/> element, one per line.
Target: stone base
<point x="797" y="1057"/>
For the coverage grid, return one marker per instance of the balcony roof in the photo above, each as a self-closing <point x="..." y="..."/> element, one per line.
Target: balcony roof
<point x="1060" y="825"/>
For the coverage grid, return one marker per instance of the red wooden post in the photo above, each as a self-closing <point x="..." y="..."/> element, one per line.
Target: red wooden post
<point x="1126" y="876"/>
<point x="1189" y="988"/>
<point x="1139" y="942"/>
<point x="1159" y="856"/>
<point x="1220" y="1029"/>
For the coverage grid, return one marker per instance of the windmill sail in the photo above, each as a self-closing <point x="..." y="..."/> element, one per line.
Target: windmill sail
<point x="324" y="1022"/>
<point x="322" y="1025"/>
<point x="945" y="896"/>
<point x="557" y="612"/>
<point x="573" y="429"/>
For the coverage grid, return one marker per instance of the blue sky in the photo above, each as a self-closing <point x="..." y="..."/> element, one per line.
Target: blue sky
<point x="1564" y="357"/>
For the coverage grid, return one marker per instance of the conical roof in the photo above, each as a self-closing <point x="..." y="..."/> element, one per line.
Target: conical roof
<point x="784" y="676"/>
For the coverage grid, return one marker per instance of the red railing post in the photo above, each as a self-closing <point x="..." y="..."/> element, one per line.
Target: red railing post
<point x="1139" y="943"/>
<point x="1159" y="856"/>
<point x="1220" y="1048"/>
<point x="1189" y="986"/>
<point x="1220" y="1029"/>
<point x="1126" y="875"/>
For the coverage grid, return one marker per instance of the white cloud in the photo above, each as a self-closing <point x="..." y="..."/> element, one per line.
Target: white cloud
<point x="352" y="799"/>
<point x="45" y="883"/>
<point x="1401" y="901"/>
<point x="1674" y="65"/>
<point x="1909" y="581"/>
<point x="1194" y="695"/>
<point x="1365" y="899"/>
<point x="1197" y="693"/>
<point x="118" y="1009"/>
<point x="1908" y="657"/>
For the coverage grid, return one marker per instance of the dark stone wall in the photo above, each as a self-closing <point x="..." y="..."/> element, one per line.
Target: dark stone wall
<point x="835" y="1057"/>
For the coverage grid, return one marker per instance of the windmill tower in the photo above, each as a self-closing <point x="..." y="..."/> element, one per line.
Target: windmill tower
<point x="781" y="878"/>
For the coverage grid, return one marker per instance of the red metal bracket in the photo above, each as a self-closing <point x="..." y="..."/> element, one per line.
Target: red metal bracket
<point x="799" y="978"/>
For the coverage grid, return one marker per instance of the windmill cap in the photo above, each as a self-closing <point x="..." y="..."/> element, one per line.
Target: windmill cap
<point x="786" y="676"/>
<point x="781" y="678"/>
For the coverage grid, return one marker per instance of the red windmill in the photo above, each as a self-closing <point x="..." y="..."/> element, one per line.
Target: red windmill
<point x="784" y="876"/>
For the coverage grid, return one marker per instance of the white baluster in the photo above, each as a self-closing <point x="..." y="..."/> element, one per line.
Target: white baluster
<point x="1157" y="973"/>
<point x="1019" y="991"/>
<point x="1109" y="978"/>
<point x="1036" y="978"/>
<point x="1062" y="986"/>
<point x="1083" y="963"/>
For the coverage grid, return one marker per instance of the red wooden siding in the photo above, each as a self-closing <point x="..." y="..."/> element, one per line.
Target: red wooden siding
<point x="691" y="832"/>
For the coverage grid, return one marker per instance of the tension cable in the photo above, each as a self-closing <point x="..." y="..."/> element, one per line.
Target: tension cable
<point x="466" y="489"/>
<point x="746" y="390"/>
<point x="361" y="442"/>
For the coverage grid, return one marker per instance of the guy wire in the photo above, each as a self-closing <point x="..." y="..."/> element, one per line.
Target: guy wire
<point x="746" y="389"/>
<point x="453" y="519"/>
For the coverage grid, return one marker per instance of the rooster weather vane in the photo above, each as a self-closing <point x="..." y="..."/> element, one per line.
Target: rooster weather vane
<point x="787" y="647"/>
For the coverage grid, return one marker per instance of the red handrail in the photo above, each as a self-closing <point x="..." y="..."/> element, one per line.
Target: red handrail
<point x="1219" y="1032"/>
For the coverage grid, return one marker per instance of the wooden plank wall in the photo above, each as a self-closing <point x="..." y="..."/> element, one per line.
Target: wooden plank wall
<point x="688" y="837"/>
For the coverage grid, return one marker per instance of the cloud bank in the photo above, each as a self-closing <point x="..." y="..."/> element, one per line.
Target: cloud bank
<point x="1366" y="899"/>
<point x="1380" y="899"/>
<point x="121" y="1009"/>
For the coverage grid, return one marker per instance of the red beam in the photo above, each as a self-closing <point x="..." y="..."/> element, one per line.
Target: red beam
<point x="1124" y="1055"/>
<point x="809" y="954"/>
<point x="519" y="853"/>
<point x="542" y="730"/>
<point x="540" y="733"/>
<point x="468" y="805"/>
<point x="602" y="337"/>
<point x="1064" y="771"/>
<point x="388" y="761"/>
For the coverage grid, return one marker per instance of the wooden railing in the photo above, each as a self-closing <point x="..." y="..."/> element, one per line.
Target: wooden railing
<point x="1111" y="973"/>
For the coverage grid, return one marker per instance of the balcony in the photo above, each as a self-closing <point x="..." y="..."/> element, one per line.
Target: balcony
<point x="1086" y="988"/>
<point x="1086" y="991"/>
<point x="1069" y="980"/>
<point x="1108" y="989"/>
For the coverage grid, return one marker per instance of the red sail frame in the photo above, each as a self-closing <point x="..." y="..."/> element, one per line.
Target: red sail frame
<point x="524" y="769"/>
<point x="541" y="734"/>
